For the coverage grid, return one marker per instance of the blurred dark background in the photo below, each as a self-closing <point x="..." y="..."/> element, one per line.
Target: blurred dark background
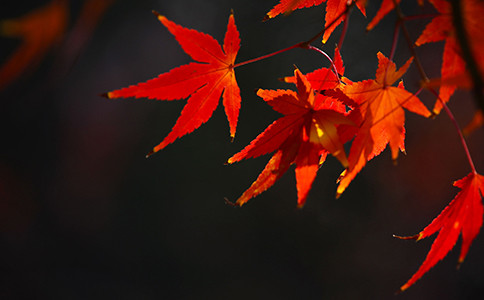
<point x="84" y="215"/>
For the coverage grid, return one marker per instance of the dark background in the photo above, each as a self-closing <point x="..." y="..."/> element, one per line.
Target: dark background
<point x="83" y="214"/>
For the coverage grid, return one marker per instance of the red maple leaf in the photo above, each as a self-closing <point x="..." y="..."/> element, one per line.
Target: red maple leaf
<point x="453" y="70"/>
<point x="335" y="11"/>
<point x="202" y="81"/>
<point x="462" y="215"/>
<point x="380" y="116"/>
<point x="40" y="31"/>
<point x="304" y="136"/>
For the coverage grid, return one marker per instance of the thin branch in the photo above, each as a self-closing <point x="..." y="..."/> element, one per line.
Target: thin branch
<point x="459" y="131"/>
<point x="464" y="43"/>
<point x="411" y="45"/>
<point x="396" y="34"/>
<point x="424" y="77"/>
<point x="345" y="28"/>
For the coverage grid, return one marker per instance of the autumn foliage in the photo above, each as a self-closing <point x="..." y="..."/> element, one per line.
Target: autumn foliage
<point x="328" y="110"/>
<point x="325" y="110"/>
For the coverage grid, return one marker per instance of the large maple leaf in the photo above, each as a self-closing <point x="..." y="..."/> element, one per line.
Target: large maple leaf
<point x="203" y="81"/>
<point x="40" y="31"/>
<point x="462" y="215"/>
<point x="379" y="115"/>
<point x="335" y="11"/>
<point x="453" y="70"/>
<point x="304" y="136"/>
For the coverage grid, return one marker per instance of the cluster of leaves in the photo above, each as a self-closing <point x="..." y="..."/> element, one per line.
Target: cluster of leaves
<point x="329" y="110"/>
<point x="326" y="111"/>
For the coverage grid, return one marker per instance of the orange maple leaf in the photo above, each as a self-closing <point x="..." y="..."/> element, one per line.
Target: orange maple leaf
<point x="462" y="215"/>
<point x="335" y="11"/>
<point x="380" y="116"/>
<point x="304" y="136"/>
<point x="203" y="81"/>
<point x="40" y="31"/>
<point x="453" y="70"/>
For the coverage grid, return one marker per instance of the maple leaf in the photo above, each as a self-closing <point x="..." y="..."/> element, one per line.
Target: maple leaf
<point x="453" y="70"/>
<point x="304" y="136"/>
<point x="462" y="215"/>
<point x="379" y="115"/>
<point x="40" y="30"/>
<point x="335" y="11"/>
<point x="203" y="81"/>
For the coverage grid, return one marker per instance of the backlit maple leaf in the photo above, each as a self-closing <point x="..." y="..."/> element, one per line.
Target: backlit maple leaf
<point x="335" y="11"/>
<point x="40" y="30"/>
<point x="380" y="116"/>
<point x="304" y="136"/>
<point x="203" y="81"/>
<point x="462" y="215"/>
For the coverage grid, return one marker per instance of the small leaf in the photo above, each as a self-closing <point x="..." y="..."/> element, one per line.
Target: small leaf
<point x="462" y="215"/>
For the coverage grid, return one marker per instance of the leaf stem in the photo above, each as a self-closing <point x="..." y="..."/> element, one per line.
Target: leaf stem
<point x="329" y="58"/>
<point x="298" y="45"/>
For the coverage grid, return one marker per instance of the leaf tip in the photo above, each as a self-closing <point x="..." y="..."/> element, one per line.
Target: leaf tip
<point x="403" y="288"/>
<point x="160" y="17"/>
<point x="150" y="153"/>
